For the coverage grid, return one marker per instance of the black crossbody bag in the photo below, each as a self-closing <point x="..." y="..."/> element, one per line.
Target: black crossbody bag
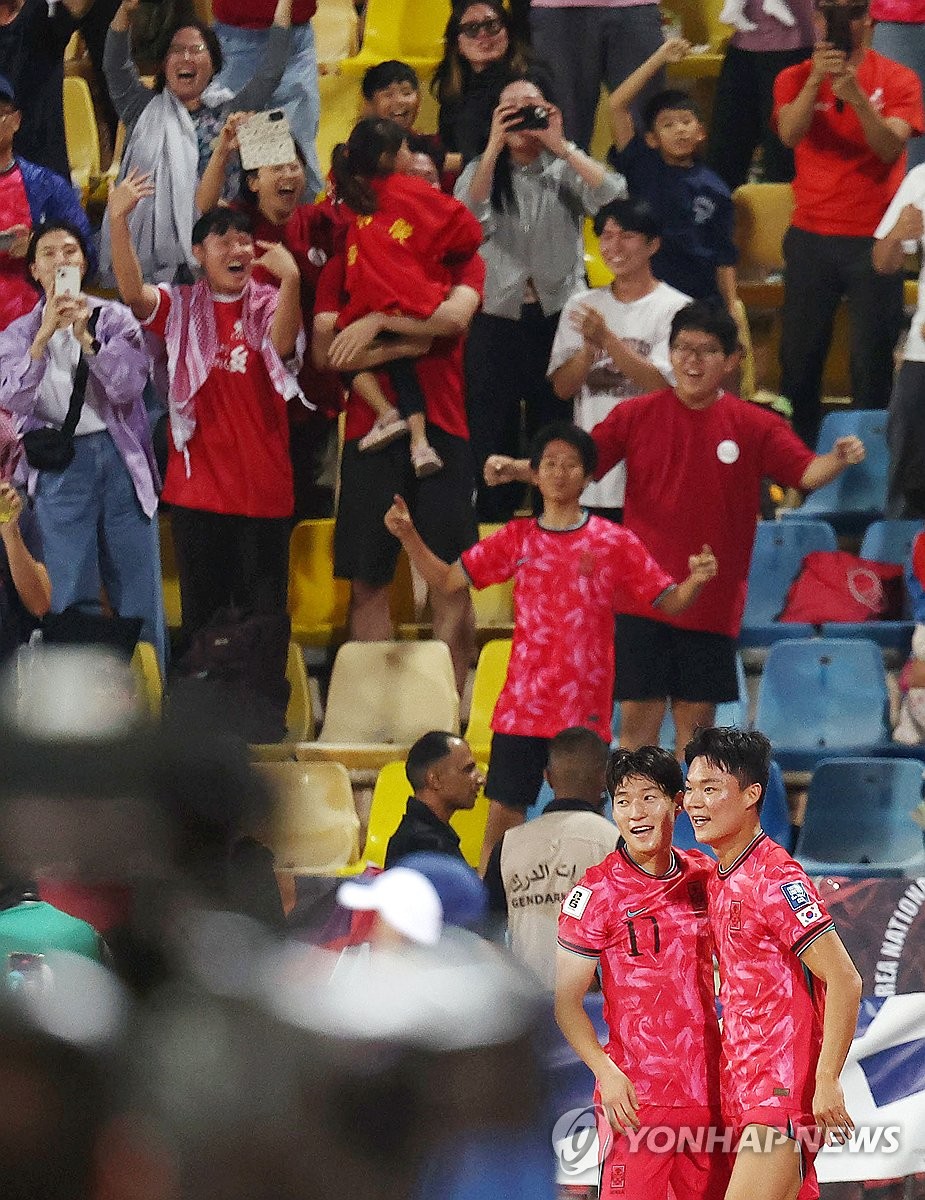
<point x="49" y="449"/>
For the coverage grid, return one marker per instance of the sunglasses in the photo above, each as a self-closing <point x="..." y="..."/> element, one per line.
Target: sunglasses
<point x="491" y="26"/>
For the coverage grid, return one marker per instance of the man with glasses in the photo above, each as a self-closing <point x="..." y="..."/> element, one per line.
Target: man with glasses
<point x="695" y="458"/>
<point x="847" y="113"/>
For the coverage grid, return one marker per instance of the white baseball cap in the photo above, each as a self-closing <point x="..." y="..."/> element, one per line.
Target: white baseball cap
<point x="407" y="900"/>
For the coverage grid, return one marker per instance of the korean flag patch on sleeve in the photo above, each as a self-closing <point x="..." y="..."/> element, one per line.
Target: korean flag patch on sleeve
<point x="576" y="902"/>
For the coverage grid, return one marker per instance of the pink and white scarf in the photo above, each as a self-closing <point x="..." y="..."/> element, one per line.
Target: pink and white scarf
<point x="191" y="338"/>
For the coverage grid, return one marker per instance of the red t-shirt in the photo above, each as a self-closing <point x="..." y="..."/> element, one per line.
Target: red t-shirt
<point x="17" y="295"/>
<point x="440" y="371"/>
<point x="258" y="14"/>
<point x="841" y="186"/>
<point x="567" y="586"/>
<point x="239" y="452"/>
<point x="309" y="236"/>
<point x="765" y="913"/>
<point x="652" y="936"/>
<point x="693" y="477"/>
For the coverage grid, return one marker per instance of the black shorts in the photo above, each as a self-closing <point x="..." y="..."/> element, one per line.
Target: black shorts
<point x="442" y="506"/>
<point x="515" y="769"/>
<point x="655" y="660"/>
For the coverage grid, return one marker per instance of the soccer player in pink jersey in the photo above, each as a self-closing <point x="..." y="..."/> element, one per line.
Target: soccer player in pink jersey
<point x="571" y="572"/>
<point x="640" y="917"/>
<point x="790" y="992"/>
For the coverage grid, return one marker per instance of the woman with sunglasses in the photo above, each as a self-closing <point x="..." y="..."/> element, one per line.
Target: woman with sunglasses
<point x="482" y="52"/>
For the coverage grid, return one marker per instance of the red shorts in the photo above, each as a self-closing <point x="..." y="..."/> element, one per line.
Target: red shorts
<point x="801" y="1128"/>
<point x="675" y="1152"/>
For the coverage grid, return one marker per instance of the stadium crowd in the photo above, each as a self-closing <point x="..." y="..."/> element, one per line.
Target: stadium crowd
<point x="236" y="342"/>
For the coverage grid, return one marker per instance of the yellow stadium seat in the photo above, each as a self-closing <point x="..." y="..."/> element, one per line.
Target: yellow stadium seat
<point x="490" y="674"/>
<point x="318" y="603"/>
<point x="762" y="217"/>
<point x="81" y="134"/>
<point x="148" y="681"/>
<point x="494" y="605"/>
<point x="388" y="807"/>
<point x="382" y="697"/>
<point x="300" y="717"/>
<point x="314" y="828"/>
<point x="170" y="580"/>
<point x="411" y="30"/>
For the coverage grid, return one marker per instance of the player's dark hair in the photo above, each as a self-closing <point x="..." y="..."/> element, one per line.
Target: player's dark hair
<point x="632" y="214"/>
<point x="565" y="431"/>
<point x="369" y="152"/>
<point x="578" y="758"/>
<point x="428" y="749"/>
<point x="648" y="762"/>
<point x="667" y="100"/>
<point x="53" y="227"/>
<point x="384" y="74"/>
<point x="746" y="755"/>
<point x="219" y="220"/>
<point x="707" y="316"/>
<point x="210" y="41"/>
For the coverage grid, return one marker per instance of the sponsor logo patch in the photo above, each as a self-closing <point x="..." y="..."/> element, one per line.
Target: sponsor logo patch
<point x="796" y="894"/>
<point x="576" y="901"/>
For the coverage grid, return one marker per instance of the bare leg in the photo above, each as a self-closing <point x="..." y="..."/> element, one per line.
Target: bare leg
<point x="772" y="1174"/>
<point x="640" y="722"/>
<point x="689" y="716"/>
<point x="500" y="820"/>
<point x="454" y="623"/>
<point x="370" y="620"/>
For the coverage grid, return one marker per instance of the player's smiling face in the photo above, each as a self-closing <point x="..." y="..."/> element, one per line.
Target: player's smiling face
<point x="720" y="809"/>
<point x="645" y="817"/>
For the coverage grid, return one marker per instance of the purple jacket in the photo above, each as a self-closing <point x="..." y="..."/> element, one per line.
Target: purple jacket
<point x="117" y="378"/>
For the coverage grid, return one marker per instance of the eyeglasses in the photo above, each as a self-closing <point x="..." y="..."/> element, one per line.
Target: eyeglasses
<point x="177" y="51"/>
<point x="685" y="350"/>
<point x="491" y="26"/>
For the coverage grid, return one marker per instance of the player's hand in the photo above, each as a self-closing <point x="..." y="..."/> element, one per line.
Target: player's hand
<point x="137" y="185"/>
<point x="910" y="225"/>
<point x="850" y="450"/>
<point x="354" y="340"/>
<point x="619" y="1100"/>
<point x="499" y="468"/>
<point x="590" y="324"/>
<point x="830" y="1112"/>
<point x="703" y="566"/>
<point x="398" y="519"/>
<point x="675" y="49"/>
<point x="277" y="260"/>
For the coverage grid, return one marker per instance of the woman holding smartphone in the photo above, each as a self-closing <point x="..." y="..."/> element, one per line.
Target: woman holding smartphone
<point x="96" y="503"/>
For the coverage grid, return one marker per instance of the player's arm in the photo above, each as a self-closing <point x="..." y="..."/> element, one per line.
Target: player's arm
<point x="846" y="452"/>
<point x="830" y="962"/>
<point x="702" y="568"/>
<point x="443" y="577"/>
<point x="574" y="973"/>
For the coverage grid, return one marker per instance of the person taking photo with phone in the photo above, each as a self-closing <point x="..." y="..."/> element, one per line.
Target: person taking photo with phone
<point x="531" y="190"/>
<point x="74" y="368"/>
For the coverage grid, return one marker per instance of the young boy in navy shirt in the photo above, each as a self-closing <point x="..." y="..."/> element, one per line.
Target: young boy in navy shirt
<point x="693" y="204"/>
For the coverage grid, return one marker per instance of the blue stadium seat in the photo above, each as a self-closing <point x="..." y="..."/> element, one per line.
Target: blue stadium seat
<point x="857" y="818"/>
<point x="821" y="697"/>
<point x="886" y="542"/>
<point x="858" y="495"/>
<point x="775" y="817"/>
<point x="779" y="550"/>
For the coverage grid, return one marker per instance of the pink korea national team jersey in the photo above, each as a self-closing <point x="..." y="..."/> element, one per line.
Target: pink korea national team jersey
<point x="765" y="913"/>
<point x="568" y="583"/>
<point x="652" y="936"/>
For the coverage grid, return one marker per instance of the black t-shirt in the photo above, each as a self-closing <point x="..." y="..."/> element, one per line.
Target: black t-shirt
<point x="32" y="58"/>
<point x="16" y="623"/>
<point x="421" y="829"/>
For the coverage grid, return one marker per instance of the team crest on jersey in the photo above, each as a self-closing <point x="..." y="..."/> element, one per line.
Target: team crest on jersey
<point x="697" y="894"/>
<point x="806" y="916"/>
<point x="796" y="895"/>
<point x="735" y="916"/>
<point x="618" y="1177"/>
<point x="576" y="902"/>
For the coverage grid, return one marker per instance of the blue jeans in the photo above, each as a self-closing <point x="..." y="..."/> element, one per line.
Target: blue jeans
<point x="297" y="93"/>
<point x="94" y="532"/>
<point x="904" y="42"/>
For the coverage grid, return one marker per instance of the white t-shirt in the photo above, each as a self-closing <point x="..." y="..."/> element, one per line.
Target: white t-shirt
<point x="645" y="324"/>
<point x="911" y="191"/>
<point x="57" y="384"/>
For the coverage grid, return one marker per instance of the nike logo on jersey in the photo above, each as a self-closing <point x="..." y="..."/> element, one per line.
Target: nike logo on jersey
<point x="630" y="912"/>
